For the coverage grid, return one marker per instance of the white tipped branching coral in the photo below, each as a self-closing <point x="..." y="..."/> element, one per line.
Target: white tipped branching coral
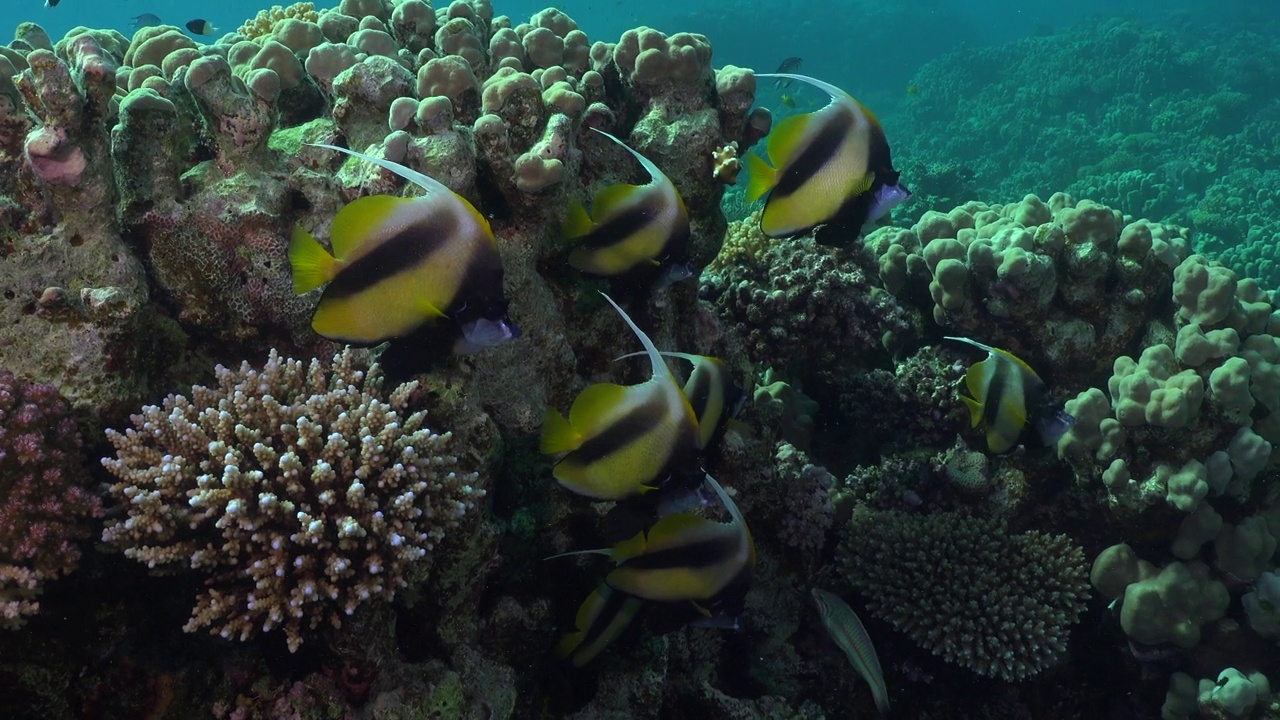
<point x="299" y="492"/>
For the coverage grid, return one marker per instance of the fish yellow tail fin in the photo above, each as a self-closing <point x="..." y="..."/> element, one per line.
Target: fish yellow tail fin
<point x="312" y="265"/>
<point x="761" y="179"/>
<point x="577" y="223"/>
<point x="558" y="436"/>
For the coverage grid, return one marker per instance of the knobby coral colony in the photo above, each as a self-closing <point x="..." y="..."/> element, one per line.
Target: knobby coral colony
<point x="158" y="188"/>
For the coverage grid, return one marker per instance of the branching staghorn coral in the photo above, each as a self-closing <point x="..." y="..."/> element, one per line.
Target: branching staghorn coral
<point x="299" y="491"/>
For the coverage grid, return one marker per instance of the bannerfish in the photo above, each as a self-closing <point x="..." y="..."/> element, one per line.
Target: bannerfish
<point x="630" y="227"/>
<point x="850" y="636"/>
<point x="683" y="557"/>
<point x="146" y="20"/>
<point x="623" y="440"/>
<point x="712" y="392"/>
<point x="1011" y="400"/>
<point x="601" y="618"/>
<point x="201" y="27"/>
<point x="831" y="167"/>
<point x="403" y="264"/>
<point x="788" y="66"/>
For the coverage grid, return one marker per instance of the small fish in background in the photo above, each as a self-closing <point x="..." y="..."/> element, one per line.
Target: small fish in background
<point x="201" y="27"/>
<point x="51" y="3"/>
<point x="913" y="89"/>
<point x="790" y="65"/>
<point x="850" y="636"/>
<point x="403" y="264"/>
<point x="788" y="100"/>
<point x="1011" y="400"/>
<point x="831" y="167"/>
<point x="146" y="20"/>
<point x="631" y="229"/>
<point x="623" y="440"/>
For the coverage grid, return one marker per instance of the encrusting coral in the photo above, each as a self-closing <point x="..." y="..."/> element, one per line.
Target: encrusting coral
<point x="44" y="501"/>
<point x="299" y="492"/>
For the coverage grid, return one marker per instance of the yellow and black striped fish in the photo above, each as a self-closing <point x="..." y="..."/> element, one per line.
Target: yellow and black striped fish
<point x="401" y="264"/>
<point x="602" y="617"/>
<point x="623" y="440"/>
<point x="685" y="556"/>
<point x="831" y="166"/>
<point x="712" y="392"/>
<point x="1010" y="399"/>
<point x="631" y="228"/>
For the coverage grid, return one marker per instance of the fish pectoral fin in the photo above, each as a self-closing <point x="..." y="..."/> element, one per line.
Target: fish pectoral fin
<point x="760" y="177"/>
<point x="577" y="222"/>
<point x="429" y="311"/>
<point x="864" y="184"/>
<point x="312" y="265"/>
<point x="597" y="551"/>
<point x="975" y="410"/>
<point x="558" y="435"/>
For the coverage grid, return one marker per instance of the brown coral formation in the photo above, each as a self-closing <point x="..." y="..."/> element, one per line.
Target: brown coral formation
<point x="299" y="492"/>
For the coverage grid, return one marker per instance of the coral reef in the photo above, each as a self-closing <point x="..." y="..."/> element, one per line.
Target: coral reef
<point x="149" y="189"/>
<point x="1185" y="135"/>
<point x="45" y="502"/>
<point x="963" y="588"/>
<point x="298" y="492"/>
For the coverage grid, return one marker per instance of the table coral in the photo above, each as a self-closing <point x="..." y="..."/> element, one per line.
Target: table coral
<point x="298" y="492"/>
<point x="966" y="590"/>
<point x="44" y="501"/>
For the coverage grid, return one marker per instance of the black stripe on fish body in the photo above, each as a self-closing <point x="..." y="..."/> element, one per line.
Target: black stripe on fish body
<point x="480" y="291"/>
<point x="699" y="555"/>
<point x="620" y="434"/>
<point x="712" y="394"/>
<point x="700" y="390"/>
<point x="846" y="225"/>
<point x="621" y="227"/>
<point x="616" y="605"/>
<point x="399" y="253"/>
<point x="1006" y="382"/>
<point x="816" y="156"/>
